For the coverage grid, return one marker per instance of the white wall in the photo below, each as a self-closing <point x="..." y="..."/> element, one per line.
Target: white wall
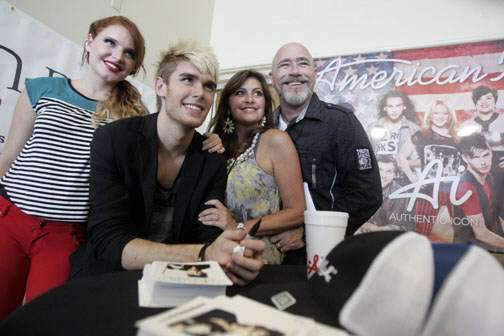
<point x="246" y="33"/>
<point x="160" y="21"/>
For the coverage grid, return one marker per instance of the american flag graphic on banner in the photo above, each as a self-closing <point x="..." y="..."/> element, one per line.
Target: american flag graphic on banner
<point x="435" y="119"/>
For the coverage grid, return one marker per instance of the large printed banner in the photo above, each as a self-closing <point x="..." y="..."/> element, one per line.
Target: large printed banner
<point x="30" y="49"/>
<point x="435" y="119"/>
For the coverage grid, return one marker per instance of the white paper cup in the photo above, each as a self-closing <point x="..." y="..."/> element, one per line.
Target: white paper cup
<point x="323" y="230"/>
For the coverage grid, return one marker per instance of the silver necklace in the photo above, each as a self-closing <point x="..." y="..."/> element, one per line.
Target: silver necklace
<point x="243" y="156"/>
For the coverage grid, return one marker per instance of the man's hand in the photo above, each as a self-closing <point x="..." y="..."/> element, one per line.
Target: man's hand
<point x="213" y="143"/>
<point x="218" y="216"/>
<point x="289" y="240"/>
<point x="240" y="269"/>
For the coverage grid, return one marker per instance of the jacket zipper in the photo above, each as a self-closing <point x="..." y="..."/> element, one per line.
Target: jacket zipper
<point x="314" y="173"/>
<point x="332" y="186"/>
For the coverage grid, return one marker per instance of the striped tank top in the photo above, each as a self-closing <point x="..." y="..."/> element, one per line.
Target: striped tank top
<point x="50" y="177"/>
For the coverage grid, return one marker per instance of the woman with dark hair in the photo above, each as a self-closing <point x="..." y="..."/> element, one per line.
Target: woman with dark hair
<point x="264" y="174"/>
<point x="44" y="191"/>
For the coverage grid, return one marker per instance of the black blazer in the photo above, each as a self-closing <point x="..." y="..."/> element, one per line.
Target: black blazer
<point x="122" y="186"/>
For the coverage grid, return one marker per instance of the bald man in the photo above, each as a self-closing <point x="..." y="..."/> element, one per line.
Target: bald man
<point x="337" y="159"/>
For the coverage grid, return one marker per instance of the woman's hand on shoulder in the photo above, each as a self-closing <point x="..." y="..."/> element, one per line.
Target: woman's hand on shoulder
<point x="213" y="143"/>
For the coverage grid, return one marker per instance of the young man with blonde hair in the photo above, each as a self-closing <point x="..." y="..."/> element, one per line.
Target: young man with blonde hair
<point x="150" y="178"/>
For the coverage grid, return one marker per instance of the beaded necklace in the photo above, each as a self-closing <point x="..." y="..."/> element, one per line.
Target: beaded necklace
<point x="243" y="156"/>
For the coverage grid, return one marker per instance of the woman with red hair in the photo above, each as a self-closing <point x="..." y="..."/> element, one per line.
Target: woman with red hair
<point x="45" y="165"/>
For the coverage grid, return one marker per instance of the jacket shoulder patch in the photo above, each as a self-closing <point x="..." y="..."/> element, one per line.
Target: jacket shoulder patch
<point x="363" y="158"/>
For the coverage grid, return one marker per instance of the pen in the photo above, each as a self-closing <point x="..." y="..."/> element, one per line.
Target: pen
<point x="255" y="228"/>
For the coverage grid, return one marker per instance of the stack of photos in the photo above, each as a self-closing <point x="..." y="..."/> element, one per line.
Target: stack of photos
<point x="167" y="284"/>
<point x="231" y="316"/>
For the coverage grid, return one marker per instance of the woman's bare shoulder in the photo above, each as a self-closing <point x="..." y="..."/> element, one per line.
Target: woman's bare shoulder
<point x="277" y="138"/>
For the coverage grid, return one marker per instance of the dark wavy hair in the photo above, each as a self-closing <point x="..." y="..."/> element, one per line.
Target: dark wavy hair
<point x="409" y="111"/>
<point x="471" y="143"/>
<point x="230" y="141"/>
<point x="482" y="91"/>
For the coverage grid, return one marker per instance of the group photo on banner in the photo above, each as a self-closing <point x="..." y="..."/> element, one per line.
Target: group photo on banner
<point x="435" y="119"/>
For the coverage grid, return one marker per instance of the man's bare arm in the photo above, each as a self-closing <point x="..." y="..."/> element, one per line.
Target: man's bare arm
<point x="482" y="233"/>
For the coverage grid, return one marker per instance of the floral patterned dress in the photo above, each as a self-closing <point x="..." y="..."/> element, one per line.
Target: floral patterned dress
<point x="253" y="193"/>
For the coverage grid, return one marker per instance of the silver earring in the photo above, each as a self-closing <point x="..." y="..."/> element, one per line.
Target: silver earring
<point x="229" y="126"/>
<point x="263" y="122"/>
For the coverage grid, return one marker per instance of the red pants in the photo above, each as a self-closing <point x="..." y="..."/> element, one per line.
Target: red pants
<point x="34" y="255"/>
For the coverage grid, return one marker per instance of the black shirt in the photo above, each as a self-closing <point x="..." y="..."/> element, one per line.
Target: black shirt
<point x="163" y="207"/>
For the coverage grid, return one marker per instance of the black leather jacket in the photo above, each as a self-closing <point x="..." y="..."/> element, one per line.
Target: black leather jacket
<point x="337" y="161"/>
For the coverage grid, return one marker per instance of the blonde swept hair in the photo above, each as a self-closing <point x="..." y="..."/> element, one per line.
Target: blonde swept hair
<point x="202" y="57"/>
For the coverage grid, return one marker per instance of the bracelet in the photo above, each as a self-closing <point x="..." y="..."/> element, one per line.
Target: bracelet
<point x="201" y="254"/>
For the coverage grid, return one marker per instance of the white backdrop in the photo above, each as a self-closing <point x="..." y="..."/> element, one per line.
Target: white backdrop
<point x="30" y="49"/>
<point x="249" y="33"/>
